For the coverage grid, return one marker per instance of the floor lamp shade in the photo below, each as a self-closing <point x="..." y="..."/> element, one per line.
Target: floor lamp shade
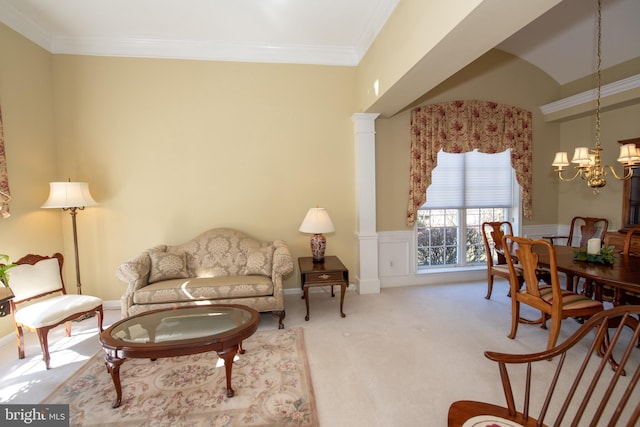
<point x="69" y="195"/>
<point x="72" y="197"/>
<point x="316" y="222"/>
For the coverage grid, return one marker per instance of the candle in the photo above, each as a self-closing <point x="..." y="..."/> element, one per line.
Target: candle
<point x="593" y="246"/>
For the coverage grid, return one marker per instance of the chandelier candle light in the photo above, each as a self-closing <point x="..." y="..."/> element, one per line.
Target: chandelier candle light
<point x="589" y="166"/>
<point x="71" y="196"/>
<point x="317" y="221"/>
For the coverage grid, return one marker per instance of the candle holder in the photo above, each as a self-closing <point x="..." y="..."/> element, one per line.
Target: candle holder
<point x="605" y="256"/>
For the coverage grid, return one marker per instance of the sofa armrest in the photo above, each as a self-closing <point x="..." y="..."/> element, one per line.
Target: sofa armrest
<point x="135" y="273"/>
<point x="282" y="260"/>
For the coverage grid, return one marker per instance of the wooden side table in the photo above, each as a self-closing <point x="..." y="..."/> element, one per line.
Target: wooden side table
<point x="5" y="296"/>
<point x="331" y="272"/>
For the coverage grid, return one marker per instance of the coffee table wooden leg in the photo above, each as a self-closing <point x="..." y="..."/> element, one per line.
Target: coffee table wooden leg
<point x="343" y="288"/>
<point x="227" y="355"/>
<point x="113" y="367"/>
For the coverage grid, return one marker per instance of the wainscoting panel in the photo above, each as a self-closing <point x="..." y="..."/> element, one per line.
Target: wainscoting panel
<point x="397" y="259"/>
<point x="537" y="231"/>
<point x="396" y="249"/>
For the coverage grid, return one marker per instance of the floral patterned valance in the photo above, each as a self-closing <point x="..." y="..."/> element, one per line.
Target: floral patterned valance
<point x="461" y="126"/>
<point x="5" y="194"/>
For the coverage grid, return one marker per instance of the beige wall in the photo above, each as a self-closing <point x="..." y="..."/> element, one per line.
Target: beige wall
<point x="26" y="99"/>
<point x="498" y="77"/>
<point x="172" y="148"/>
<point x="414" y="28"/>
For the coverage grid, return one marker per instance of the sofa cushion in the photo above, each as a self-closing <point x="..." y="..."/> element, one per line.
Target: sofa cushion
<point x="204" y="288"/>
<point x="167" y="265"/>
<point x="259" y="261"/>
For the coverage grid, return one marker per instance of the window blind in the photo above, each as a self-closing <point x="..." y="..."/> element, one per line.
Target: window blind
<point x="471" y="180"/>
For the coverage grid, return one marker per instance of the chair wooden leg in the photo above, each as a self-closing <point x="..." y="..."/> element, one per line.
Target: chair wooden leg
<point x="515" y="318"/>
<point x="570" y="282"/>
<point x="100" y="318"/>
<point x="554" y="332"/>
<point x="587" y="289"/>
<point x="20" y="339"/>
<point x="489" y="286"/>
<point x="44" y="344"/>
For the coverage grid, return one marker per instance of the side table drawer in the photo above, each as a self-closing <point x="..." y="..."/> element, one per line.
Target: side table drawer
<point x="334" y="276"/>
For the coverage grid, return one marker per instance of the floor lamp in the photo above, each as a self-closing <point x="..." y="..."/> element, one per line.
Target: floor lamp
<point x="71" y="196"/>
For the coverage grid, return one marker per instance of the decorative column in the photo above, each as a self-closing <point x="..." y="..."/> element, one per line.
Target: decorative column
<point x="368" y="281"/>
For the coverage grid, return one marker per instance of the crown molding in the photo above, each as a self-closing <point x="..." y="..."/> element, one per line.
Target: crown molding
<point x="380" y="16"/>
<point x="622" y="90"/>
<point x="199" y="49"/>
<point x="25" y="26"/>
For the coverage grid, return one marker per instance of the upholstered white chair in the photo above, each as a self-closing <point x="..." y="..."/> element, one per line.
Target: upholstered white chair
<point x="41" y="301"/>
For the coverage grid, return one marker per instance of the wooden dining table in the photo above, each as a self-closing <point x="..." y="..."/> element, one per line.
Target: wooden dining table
<point x="623" y="275"/>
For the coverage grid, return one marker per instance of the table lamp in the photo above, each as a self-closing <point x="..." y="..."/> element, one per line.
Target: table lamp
<point x="70" y="196"/>
<point x="317" y="221"/>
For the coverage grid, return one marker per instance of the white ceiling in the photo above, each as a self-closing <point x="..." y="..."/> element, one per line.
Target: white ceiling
<point x="331" y="32"/>
<point x="562" y="42"/>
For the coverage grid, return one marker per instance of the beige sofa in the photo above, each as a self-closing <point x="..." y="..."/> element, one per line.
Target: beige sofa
<point x="222" y="265"/>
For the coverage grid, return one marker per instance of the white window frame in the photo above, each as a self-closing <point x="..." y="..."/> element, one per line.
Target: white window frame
<point x="513" y="215"/>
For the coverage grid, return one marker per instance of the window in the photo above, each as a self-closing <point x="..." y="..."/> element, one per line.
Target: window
<point x="467" y="189"/>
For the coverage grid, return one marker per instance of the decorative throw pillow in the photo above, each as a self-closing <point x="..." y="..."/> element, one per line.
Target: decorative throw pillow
<point x="167" y="265"/>
<point x="259" y="261"/>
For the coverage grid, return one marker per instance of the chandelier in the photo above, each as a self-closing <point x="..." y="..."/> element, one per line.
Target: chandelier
<point x="588" y="163"/>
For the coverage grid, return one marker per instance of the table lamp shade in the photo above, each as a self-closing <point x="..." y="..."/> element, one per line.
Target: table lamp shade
<point x="317" y="221"/>
<point x="69" y="195"/>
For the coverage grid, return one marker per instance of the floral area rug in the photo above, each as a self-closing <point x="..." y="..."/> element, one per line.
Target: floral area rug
<point x="271" y="382"/>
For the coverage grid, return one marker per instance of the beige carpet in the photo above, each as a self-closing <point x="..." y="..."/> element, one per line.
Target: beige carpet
<point x="271" y="382"/>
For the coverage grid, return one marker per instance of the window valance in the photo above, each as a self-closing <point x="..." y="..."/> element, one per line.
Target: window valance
<point x="461" y="126"/>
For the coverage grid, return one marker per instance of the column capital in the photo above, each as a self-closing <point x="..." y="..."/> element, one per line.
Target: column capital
<point x="364" y="122"/>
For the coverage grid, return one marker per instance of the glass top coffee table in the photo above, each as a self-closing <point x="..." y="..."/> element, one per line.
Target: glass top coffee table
<point x="178" y="332"/>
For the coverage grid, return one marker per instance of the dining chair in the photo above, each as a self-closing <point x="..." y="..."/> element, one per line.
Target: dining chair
<point x="41" y="302"/>
<point x="616" y="295"/>
<point x="590" y="228"/>
<point x="581" y="230"/>
<point x="492" y="233"/>
<point x="554" y="302"/>
<point x="627" y="249"/>
<point x="576" y="392"/>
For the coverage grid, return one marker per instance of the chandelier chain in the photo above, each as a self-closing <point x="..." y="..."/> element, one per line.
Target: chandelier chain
<point x="598" y="73"/>
<point x="589" y="162"/>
